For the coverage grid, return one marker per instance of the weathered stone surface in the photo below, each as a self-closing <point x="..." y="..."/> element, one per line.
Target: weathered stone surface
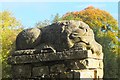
<point x="21" y="71"/>
<point x="66" y="55"/>
<point x="77" y="65"/>
<point x="70" y="75"/>
<point x="28" y="39"/>
<point x="86" y="53"/>
<point x="94" y="55"/>
<point x="91" y="74"/>
<point x="58" y="68"/>
<point x="100" y="73"/>
<point x="84" y="64"/>
<point x="40" y="71"/>
<point x="26" y="52"/>
<point x="67" y="33"/>
<point x="87" y="74"/>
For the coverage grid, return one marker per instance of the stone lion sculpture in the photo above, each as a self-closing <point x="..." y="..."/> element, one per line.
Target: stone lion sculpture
<point x="59" y="36"/>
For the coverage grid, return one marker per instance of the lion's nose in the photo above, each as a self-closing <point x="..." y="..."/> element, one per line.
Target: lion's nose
<point x="86" y="30"/>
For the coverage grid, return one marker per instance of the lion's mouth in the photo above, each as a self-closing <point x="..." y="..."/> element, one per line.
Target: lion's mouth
<point x="83" y="41"/>
<point x="77" y="39"/>
<point x="87" y="43"/>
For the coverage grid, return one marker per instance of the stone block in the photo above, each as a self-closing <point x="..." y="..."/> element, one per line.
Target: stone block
<point x="84" y="64"/>
<point x="40" y="71"/>
<point x="58" y="68"/>
<point x="70" y="75"/>
<point x="21" y="71"/>
<point x="100" y="73"/>
<point x="89" y="54"/>
<point x="90" y="73"/>
<point x="87" y="73"/>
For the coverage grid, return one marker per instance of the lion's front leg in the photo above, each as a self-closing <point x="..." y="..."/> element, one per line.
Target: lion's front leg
<point x="95" y="47"/>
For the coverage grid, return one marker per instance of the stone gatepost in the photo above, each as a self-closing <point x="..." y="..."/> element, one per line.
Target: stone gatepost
<point x="72" y="64"/>
<point x="62" y="50"/>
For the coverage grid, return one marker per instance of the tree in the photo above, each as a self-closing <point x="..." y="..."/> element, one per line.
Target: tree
<point x="46" y="22"/>
<point x="56" y="18"/>
<point x="9" y="28"/>
<point x="41" y="24"/>
<point x="105" y="28"/>
<point x="118" y="61"/>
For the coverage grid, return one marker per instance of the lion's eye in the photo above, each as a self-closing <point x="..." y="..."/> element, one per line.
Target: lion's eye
<point x="75" y="34"/>
<point x="81" y="27"/>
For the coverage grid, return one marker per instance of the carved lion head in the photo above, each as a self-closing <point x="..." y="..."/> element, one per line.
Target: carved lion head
<point x="77" y="31"/>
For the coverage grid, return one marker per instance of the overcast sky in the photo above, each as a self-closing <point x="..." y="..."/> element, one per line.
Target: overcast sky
<point x="31" y="12"/>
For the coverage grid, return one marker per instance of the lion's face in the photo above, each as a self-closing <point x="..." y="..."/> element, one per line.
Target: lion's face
<point x="79" y="32"/>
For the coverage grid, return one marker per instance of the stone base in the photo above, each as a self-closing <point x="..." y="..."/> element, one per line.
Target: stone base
<point x="54" y="71"/>
<point x="72" y="65"/>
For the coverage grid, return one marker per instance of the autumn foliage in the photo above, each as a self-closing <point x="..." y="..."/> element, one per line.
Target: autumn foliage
<point x="92" y="16"/>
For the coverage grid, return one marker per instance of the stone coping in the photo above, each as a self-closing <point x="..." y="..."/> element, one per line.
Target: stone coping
<point x="35" y="56"/>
